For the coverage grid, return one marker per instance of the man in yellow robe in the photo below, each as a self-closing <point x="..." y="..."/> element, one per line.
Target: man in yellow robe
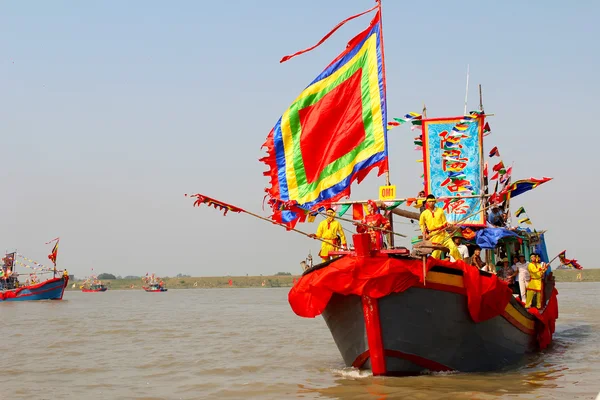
<point x="433" y="225"/>
<point x="329" y="230"/>
<point x="534" y="287"/>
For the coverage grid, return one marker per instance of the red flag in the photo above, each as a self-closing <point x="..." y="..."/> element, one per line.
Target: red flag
<point x="54" y="253"/>
<point x="498" y="166"/>
<point x="494" y="152"/>
<point x="358" y="211"/>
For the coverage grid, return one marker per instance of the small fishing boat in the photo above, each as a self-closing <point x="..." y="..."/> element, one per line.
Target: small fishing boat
<point x="92" y="284"/>
<point x="153" y="284"/>
<point x="154" y="288"/>
<point x="99" y="287"/>
<point x="11" y="289"/>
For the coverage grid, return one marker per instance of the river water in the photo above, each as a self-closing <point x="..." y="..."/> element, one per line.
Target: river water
<point x="247" y="343"/>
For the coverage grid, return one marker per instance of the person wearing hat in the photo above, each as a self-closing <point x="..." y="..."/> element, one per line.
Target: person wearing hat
<point x="534" y="287"/>
<point x="329" y="229"/>
<point x="497" y="217"/>
<point x="521" y="268"/>
<point x="462" y="249"/>
<point x="506" y="273"/>
<point x="433" y="225"/>
<point x="373" y="223"/>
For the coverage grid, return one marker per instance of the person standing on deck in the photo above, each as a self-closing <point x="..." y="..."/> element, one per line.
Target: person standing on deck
<point x="433" y="225"/>
<point x="329" y="230"/>
<point x="462" y="248"/>
<point x="534" y="288"/>
<point x="521" y="267"/>
<point x="372" y="224"/>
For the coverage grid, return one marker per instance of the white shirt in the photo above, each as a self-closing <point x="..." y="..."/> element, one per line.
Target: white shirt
<point x="523" y="270"/>
<point x="464" y="252"/>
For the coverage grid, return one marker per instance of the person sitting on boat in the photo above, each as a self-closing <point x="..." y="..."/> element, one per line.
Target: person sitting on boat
<point x="161" y="283"/>
<point x="433" y="225"/>
<point x="521" y="268"/>
<point x="534" y="288"/>
<point x="462" y="248"/>
<point x="476" y="259"/>
<point x="65" y="273"/>
<point x="497" y="217"/>
<point x="372" y="224"/>
<point x="328" y="230"/>
<point x="506" y="273"/>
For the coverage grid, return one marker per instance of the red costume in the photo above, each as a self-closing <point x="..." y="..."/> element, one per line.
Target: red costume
<point x="371" y="221"/>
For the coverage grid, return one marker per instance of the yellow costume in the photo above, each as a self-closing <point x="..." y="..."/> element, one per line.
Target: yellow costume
<point x="536" y="272"/>
<point x="434" y="222"/>
<point x="329" y="230"/>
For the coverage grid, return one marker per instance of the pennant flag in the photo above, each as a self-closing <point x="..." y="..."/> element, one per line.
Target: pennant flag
<point x="343" y="209"/>
<point x="520" y="211"/>
<point x="334" y="132"/>
<point x="525" y="221"/>
<point x="568" y="263"/>
<point x="523" y="185"/>
<point x="201" y="199"/>
<point x="392" y="125"/>
<point x="359" y="211"/>
<point x="54" y="253"/>
<point x="311" y="217"/>
<point x="494" y="152"/>
<point x="391" y="205"/>
<point x="486" y="129"/>
<point x="412" y="117"/>
<point x="498" y="167"/>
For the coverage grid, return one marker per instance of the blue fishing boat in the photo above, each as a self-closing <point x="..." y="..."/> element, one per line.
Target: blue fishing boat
<point x="12" y="290"/>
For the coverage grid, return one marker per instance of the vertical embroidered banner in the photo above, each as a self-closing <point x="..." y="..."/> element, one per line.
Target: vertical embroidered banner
<point x="452" y="159"/>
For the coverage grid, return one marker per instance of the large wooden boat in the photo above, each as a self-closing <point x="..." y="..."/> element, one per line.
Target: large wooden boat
<point x="385" y="315"/>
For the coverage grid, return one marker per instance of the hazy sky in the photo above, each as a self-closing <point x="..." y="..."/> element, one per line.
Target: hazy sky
<point x="112" y="110"/>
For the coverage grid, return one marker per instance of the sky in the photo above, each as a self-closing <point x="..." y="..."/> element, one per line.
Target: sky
<point x="111" y="111"/>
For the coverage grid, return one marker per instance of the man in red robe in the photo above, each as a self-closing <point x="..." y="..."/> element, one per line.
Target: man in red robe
<point x="373" y="223"/>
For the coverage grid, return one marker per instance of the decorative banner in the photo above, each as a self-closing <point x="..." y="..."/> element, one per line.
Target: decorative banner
<point x="452" y="160"/>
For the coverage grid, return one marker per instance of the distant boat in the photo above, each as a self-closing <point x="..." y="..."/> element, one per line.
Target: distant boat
<point x="153" y="284"/>
<point x="94" y="288"/>
<point x="92" y="284"/>
<point x="12" y="290"/>
<point x="154" y="287"/>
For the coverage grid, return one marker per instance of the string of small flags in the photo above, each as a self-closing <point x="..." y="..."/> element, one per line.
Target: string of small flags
<point x="525" y="219"/>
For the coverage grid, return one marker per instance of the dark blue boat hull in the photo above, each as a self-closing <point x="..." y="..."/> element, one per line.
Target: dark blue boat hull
<point x="52" y="289"/>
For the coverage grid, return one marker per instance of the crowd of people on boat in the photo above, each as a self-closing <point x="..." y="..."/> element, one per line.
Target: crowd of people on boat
<point x="525" y="278"/>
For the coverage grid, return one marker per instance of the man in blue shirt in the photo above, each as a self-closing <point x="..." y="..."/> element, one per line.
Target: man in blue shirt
<point x="496" y="217"/>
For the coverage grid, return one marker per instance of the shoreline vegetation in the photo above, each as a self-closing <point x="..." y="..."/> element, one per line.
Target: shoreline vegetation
<point x="587" y="275"/>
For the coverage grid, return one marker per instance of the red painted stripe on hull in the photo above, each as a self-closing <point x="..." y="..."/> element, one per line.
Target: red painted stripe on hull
<point x="373" y="327"/>
<point x="418" y="360"/>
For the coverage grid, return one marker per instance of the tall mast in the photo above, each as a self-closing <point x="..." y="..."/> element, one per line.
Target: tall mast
<point x="481" y="162"/>
<point x="387" y="173"/>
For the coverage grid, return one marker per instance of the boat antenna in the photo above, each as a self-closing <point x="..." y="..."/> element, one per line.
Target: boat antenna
<point x="424" y="111"/>
<point x="467" y="91"/>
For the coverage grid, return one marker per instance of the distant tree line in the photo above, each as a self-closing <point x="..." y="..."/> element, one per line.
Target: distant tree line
<point x="283" y="273"/>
